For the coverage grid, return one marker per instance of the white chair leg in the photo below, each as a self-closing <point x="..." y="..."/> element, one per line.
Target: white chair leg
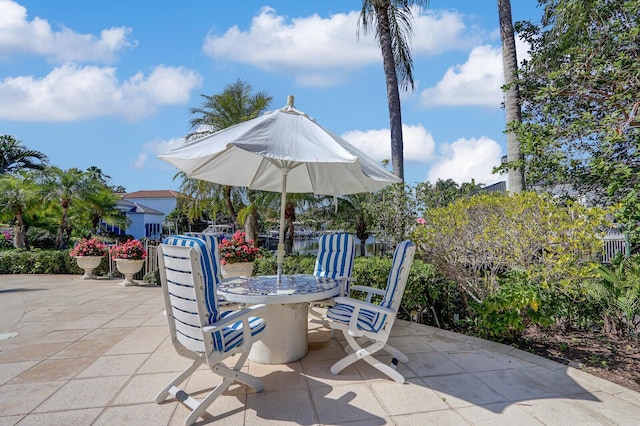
<point x="395" y="353"/>
<point x="172" y="388"/>
<point x="201" y="406"/>
<point x="358" y="353"/>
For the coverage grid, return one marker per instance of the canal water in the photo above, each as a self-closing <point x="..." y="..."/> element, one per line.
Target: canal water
<point x="310" y="246"/>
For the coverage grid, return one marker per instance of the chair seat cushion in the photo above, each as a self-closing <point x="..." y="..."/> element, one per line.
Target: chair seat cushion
<point x="369" y="321"/>
<point x="231" y="336"/>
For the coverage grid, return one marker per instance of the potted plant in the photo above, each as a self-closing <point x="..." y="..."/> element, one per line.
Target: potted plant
<point x="237" y="255"/>
<point x="88" y="253"/>
<point x="129" y="258"/>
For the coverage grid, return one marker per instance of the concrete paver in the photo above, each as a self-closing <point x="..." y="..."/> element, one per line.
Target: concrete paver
<point x="89" y="352"/>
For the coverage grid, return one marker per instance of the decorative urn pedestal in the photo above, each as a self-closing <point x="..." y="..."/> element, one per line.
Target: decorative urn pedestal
<point x="129" y="268"/>
<point x="238" y="269"/>
<point x="88" y="264"/>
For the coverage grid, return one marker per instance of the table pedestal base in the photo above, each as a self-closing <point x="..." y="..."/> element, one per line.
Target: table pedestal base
<point x="285" y="338"/>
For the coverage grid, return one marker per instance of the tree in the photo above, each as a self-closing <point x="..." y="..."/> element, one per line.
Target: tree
<point x="392" y="20"/>
<point x="512" y="95"/>
<point x="478" y="240"/>
<point x="394" y="210"/>
<point x="18" y="196"/>
<point x="233" y="106"/>
<point x="14" y="156"/>
<point x="580" y="98"/>
<point x="63" y="187"/>
<point x="358" y="219"/>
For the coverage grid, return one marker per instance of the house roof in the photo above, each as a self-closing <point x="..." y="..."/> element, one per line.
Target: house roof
<point x="132" y="207"/>
<point x="158" y="193"/>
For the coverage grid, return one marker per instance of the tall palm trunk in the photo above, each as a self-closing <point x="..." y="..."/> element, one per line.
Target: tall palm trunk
<point x="227" y="200"/>
<point x="512" y="95"/>
<point x="393" y="93"/>
<point x="60" y="236"/>
<point x="19" y="230"/>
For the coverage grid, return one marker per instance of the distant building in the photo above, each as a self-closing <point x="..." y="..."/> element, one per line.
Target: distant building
<point x="496" y="187"/>
<point x="145" y="212"/>
<point x="163" y="200"/>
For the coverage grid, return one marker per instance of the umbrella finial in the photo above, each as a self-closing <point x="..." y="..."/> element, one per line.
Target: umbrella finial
<point x="290" y="100"/>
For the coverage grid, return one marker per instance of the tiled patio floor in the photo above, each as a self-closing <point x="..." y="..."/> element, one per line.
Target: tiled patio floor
<point x="76" y="352"/>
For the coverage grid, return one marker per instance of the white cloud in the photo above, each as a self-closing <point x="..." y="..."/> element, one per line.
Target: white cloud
<point x="323" y="51"/>
<point x="72" y="92"/>
<point x="440" y="31"/>
<point x="156" y="147"/>
<point x="476" y="82"/>
<point x="467" y="159"/>
<point x="417" y="141"/>
<point x="20" y="35"/>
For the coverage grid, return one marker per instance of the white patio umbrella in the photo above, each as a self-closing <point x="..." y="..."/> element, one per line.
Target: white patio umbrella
<point x="281" y="151"/>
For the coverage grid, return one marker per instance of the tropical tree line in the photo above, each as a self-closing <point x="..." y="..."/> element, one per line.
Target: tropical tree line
<point x="66" y="203"/>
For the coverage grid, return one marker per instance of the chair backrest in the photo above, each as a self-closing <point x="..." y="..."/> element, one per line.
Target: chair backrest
<point x="335" y="256"/>
<point x="186" y="301"/>
<point x="209" y="267"/>
<point x="397" y="281"/>
<point x="214" y="250"/>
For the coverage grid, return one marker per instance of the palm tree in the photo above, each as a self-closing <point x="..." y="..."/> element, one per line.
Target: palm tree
<point x="14" y="156"/>
<point x="512" y="105"/>
<point x="64" y="187"/>
<point x="357" y="216"/>
<point x="233" y="106"/>
<point x="392" y="20"/>
<point x="17" y="197"/>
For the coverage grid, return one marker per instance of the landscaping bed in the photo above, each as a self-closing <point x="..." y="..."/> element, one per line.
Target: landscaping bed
<point x="611" y="358"/>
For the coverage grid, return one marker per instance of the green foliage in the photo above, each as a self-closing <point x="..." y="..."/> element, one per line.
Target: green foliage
<point x="394" y="212"/>
<point x="475" y="241"/>
<point x="579" y="92"/>
<point x="617" y="292"/>
<point x="20" y="261"/>
<point x="41" y="238"/>
<point x="506" y="313"/>
<point x="294" y="264"/>
<point x="152" y="277"/>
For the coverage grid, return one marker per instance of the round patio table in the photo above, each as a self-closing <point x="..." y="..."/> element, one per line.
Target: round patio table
<point x="285" y="338"/>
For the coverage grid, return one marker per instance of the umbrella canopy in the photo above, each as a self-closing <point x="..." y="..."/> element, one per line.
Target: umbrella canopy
<point x="281" y="151"/>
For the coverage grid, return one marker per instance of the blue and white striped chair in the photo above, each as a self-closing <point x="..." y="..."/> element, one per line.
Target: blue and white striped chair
<point x="198" y="329"/>
<point x="373" y="322"/>
<point x="335" y="260"/>
<point x="211" y="257"/>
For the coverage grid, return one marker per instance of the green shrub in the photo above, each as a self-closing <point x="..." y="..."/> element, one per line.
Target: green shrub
<point x="21" y="261"/>
<point x="41" y="238"/>
<point x="506" y="313"/>
<point x="152" y="277"/>
<point x="475" y="241"/>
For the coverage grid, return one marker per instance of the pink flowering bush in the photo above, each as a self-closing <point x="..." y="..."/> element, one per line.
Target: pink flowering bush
<point x="132" y="250"/>
<point x="88" y="247"/>
<point x="238" y="249"/>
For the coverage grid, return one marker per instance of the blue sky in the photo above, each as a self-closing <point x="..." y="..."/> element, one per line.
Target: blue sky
<point x="110" y="84"/>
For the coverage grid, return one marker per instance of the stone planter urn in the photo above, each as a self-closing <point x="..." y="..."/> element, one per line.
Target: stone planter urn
<point x="129" y="268"/>
<point x="88" y="264"/>
<point x="238" y="269"/>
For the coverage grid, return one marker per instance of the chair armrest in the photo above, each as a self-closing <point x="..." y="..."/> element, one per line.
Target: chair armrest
<point x="231" y="318"/>
<point x="359" y="304"/>
<point x="366" y="289"/>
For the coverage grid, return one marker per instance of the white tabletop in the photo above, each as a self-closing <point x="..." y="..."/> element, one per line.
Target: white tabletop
<point x="299" y="288"/>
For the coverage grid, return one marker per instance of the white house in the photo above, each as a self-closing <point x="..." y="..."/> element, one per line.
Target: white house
<point x="146" y="211"/>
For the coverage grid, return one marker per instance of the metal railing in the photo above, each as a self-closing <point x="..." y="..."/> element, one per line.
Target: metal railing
<point x="614" y="243"/>
<point x="150" y="264"/>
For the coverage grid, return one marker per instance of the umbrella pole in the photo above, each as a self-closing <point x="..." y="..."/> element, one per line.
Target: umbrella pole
<point x="283" y="203"/>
